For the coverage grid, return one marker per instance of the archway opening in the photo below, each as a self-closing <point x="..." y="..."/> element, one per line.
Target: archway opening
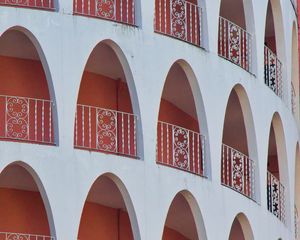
<point x="180" y="223"/>
<point x="275" y="188"/>
<point x="235" y="41"/>
<point x="105" y="215"/>
<point x="179" y="142"/>
<point x="23" y="213"/>
<point x="273" y="65"/>
<point x="241" y="229"/>
<point x="104" y="119"/>
<point x="26" y="109"/>
<point x="295" y="74"/>
<point x="237" y="170"/>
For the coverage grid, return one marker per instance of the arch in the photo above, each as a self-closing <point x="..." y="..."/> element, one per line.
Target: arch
<point x="109" y="86"/>
<point x="241" y="228"/>
<point x="114" y="207"/>
<point x="187" y="226"/>
<point x="243" y="147"/>
<point x="274" y="49"/>
<point x="295" y="73"/>
<point x="240" y="23"/>
<point x="32" y="51"/>
<point x="26" y="189"/>
<point x="277" y="171"/>
<point x="182" y="109"/>
<point x="297" y="190"/>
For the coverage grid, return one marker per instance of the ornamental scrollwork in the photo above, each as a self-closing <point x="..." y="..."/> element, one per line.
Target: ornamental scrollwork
<point x="105" y="8"/>
<point x="181" y="148"/>
<point x="234" y="43"/>
<point x="178" y="20"/>
<point x="17" y="236"/>
<point x="17" y="118"/>
<point x="238" y="171"/>
<point x="17" y="2"/>
<point x="107" y="130"/>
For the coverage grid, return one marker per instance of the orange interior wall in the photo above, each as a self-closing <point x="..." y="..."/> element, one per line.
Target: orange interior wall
<point x="236" y="232"/>
<point x="270" y="42"/>
<point x="101" y="222"/>
<point x="169" y="113"/>
<point x="101" y="91"/>
<point x="23" y="77"/>
<point x="170" y="234"/>
<point x="22" y="212"/>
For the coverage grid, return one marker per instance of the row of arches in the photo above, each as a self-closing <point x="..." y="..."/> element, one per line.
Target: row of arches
<point x="106" y="213"/>
<point x="107" y="110"/>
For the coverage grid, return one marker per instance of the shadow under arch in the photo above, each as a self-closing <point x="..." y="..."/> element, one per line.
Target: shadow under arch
<point x="248" y="123"/>
<point x="47" y="72"/>
<point x="122" y="60"/>
<point x="194" y="210"/>
<point x="199" y="106"/>
<point x="241" y="226"/>
<point x="41" y="189"/>
<point x="115" y="180"/>
<point x="279" y="136"/>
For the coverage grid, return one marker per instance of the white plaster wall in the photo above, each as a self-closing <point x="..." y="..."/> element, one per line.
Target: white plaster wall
<point x="68" y="174"/>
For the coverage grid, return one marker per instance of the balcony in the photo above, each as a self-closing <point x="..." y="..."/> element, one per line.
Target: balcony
<point x="235" y="44"/>
<point x="38" y="4"/>
<point x="179" y="19"/>
<point x="23" y="236"/>
<point x="105" y="130"/>
<point x="180" y="148"/>
<point x="276" y="197"/>
<point x="273" y="72"/>
<point x="238" y="172"/>
<point x="26" y="119"/>
<point x="122" y="11"/>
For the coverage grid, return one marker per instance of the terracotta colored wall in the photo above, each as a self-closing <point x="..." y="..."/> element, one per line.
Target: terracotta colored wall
<point x="170" y="234"/>
<point x="169" y="113"/>
<point x="23" y="77"/>
<point x="100" y="222"/>
<point x="236" y="232"/>
<point x="270" y="42"/>
<point x="100" y="91"/>
<point x="23" y="212"/>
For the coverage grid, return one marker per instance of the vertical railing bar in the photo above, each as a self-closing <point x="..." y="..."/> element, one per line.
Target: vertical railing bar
<point x="43" y="121"/>
<point x="194" y="153"/>
<point x="35" y="120"/>
<point x="76" y="127"/>
<point x="168" y="157"/>
<point x="128" y="131"/>
<point x="82" y="127"/>
<point x="134" y="136"/>
<point x="123" y="135"/>
<point x="50" y="121"/>
<point x="90" y="127"/>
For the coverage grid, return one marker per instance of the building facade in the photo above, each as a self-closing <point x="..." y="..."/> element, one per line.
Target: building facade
<point x="153" y="119"/>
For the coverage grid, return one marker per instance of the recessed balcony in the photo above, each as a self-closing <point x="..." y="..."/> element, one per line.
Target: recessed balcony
<point x="35" y="4"/>
<point x="180" y="148"/>
<point x="122" y="11"/>
<point x="105" y="130"/>
<point x="179" y="19"/>
<point x="238" y="171"/>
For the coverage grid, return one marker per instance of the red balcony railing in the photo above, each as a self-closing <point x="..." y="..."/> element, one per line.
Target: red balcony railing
<point x="105" y="130"/>
<point x="122" y="11"/>
<point x="276" y="197"/>
<point x="180" y="19"/>
<point x="235" y="44"/>
<point x="39" y="4"/>
<point x="180" y="148"/>
<point x="26" y="119"/>
<point x="23" y="236"/>
<point x="273" y="72"/>
<point x="238" y="171"/>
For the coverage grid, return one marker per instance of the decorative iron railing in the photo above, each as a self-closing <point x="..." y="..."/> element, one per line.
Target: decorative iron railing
<point x="26" y="119"/>
<point x="122" y="11"/>
<point x="180" y="148"/>
<point x="273" y="72"/>
<point x="105" y="130"/>
<point x="293" y="99"/>
<point x="276" y="197"/>
<point x="235" y="44"/>
<point x="39" y="4"/>
<point x="296" y="222"/>
<point x="238" y="171"/>
<point x="180" y="19"/>
<point x="23" y="236"/>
